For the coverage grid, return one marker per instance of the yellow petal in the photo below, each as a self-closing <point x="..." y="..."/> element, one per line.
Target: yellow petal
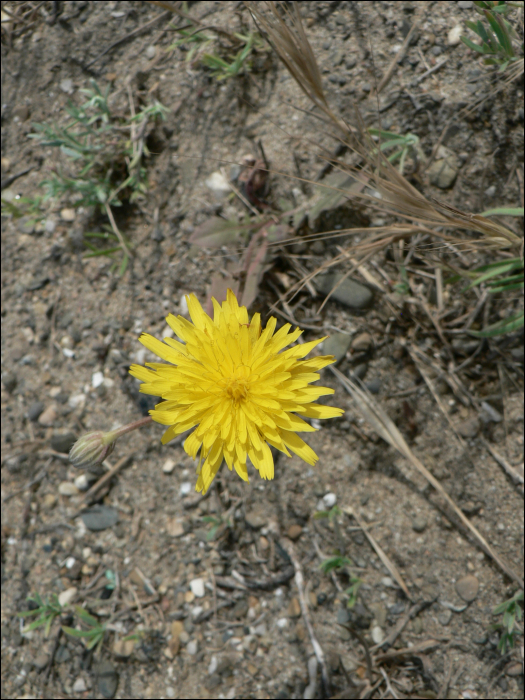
<point x="299" y="446"/>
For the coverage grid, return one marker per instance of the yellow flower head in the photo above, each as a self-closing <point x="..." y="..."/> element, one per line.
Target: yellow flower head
<point x="233" y="382"/>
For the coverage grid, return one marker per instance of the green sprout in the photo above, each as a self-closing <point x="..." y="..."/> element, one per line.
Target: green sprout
<point x="498" y="37"/>
<point x="402" y="287"/>
<point x="218" y="525"/>
<point x="94" y="636"/>
<point x="339" y="563"/>
<point x="402" y="143"/>
<point x="222" y="70"/>
<point x="105" y="162"/>
<point x="511" y="611"/>
<point x="47" y="611"/>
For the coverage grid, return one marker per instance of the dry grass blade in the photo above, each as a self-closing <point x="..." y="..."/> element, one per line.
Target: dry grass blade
<point x="391" y="567"/>
<point x="291" y="44"/>
<point x="385" y="427"/>
<point x="285" y="32"/>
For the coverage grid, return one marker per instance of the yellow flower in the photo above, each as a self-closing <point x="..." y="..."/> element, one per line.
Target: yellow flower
<point x="233" y="382"/>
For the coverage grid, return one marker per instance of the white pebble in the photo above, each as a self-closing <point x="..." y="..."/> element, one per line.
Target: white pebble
<point x="168" y="466"/>
<point x="218" y="184"/>
<point x="454" y="35"/>
<point x="282" y="623"/>
<point x="329" y="499"/>
<point x="193" y="647"/>
<point x="214" y="663"/>
<point x="67" y="488"/>
<point x="97" y="378"/>
<point x="65" y="597"/>
<point x="197" y="587"/>
<point x="196" y="611"/>
<point x="377" y="634"/>
<point x="185" y="488"/>
<point x="79" y="686"/>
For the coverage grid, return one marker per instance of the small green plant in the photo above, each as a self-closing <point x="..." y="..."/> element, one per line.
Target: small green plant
<point x="339" y="563"/>
<point x="502" y="276"/>
<point x="402" y="143"/>
<point x="221" y="69"/>
<point x="47" y="610"/>
<point x="95" y="633"/>
<point x="511" y="611"/>
<point x="104" y="161"/>
<point x="197" y="40"/>
<point x="218" y="525"/>
<point x="499" y="40"/>
<point x="106" y="151"/>
<point x="402" y="287"/>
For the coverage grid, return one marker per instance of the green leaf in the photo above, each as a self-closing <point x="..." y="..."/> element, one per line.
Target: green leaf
<point x="503" y="211"/>
<point x="472" y="45"/>
<point x="501" y="33"/>
<point x="507" y="325"/>
<point x="496" y="269"/>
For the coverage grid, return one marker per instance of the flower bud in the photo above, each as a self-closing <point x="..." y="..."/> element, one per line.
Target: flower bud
<point x="92" y="449"/>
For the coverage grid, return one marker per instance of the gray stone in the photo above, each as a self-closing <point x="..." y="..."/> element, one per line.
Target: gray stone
<point x="419" y="523"/>
<point x="469" y="428"/>
<point x="35" y="410"/>
<point x="374" y="385"/>
<point x="350" y="293"/>
<point x="359" y="371"/>
<point x="444" y="617"/>
<point x="465" y="4"/>
<point x="337" y="345"/>
<point x="10" y="380"/>
<point x="99" y="517"/>
<point x="63" y="441"/>
<point x="26" y="224"/>
<point x="467" y="588"/>
<point x="343" y="616"/>
<point x="107" y="679"/>
<point x="257" y="518"/>
<point x="443" y="171"/>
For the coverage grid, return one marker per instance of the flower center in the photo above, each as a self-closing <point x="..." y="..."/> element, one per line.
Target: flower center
<point x="236" y="387"/>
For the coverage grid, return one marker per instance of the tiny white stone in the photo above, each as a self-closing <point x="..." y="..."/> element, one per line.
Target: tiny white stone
<point x="168" y="466"/>
<point x="453" y="37"/>
<point x="282" y="623"/>
<point x="68" y="353"/>
<point x="65" y="597"/>
<point x="213" y="665"/>
<point x="193" y="647"/>
<point x="97" y="378"/>
<point x="185" y="488"/>
<point x="108" y="382"/>
<point x="68" y="214"/>
<point x="218" y="184"/>
<point x="81" y="482"/>
<point x="79" y="686"/>
<point x="329" y="499"/>
<point x="196" y="611"/>
<point x="377" y="634"/>
<point x="183" y="305"/>
<point x="67" y="488"/>
<point x="197" y="587"/>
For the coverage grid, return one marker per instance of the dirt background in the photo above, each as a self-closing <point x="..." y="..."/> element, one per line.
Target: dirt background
<point x="245" y="636"/>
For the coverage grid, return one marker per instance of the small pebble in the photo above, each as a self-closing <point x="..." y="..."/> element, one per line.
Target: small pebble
<point x="377" y="634"/>
<point x="444" y="617"/>
<point x="67" y="488"/>
<point x="294" y="531"/>
<point x="168" y="466"/>
<point x="79" y="686"/>
<point x="453" y="37"/>
<point x="68" y="214"/>
<point x="329" y="500"/>
<point x="419" y="523"/>
<point x="185" y="488"/>
<point x="35" y="410"/>
<point x="197" y="587"/>
<point x="467" y="588"/>
<point x="67" y="596"/>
